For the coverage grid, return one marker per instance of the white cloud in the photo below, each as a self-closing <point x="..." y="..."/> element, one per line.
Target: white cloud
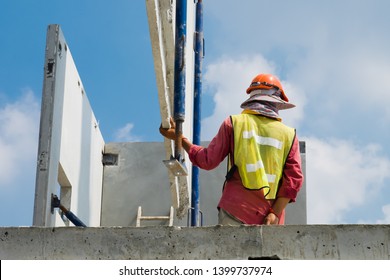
<point x="227" y="80"/>
<point x="386" y="212"/>
<point x="385" y="220"/>
<point x="293" y="117"/>
<point x="338" y="57"/>
<point x="334" y="65"/>
<point x="19" y="126"/>
<point x="340" y="177"/>
<point x="124" y="134"/>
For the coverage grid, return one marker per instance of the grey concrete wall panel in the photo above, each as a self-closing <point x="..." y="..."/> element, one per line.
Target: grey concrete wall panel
<point x="140" y="179"/>
<point x="316" y="242"/>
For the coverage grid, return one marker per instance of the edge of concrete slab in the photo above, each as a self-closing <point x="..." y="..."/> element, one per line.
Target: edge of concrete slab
<point x="287" y="242"/>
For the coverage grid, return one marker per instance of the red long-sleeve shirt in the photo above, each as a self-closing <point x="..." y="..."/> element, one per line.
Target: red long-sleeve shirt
<point x="249" y="206"/>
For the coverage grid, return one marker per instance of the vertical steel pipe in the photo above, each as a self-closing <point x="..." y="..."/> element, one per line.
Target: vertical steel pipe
<point x="180" y="73"/>
<point x="199" y="53"/>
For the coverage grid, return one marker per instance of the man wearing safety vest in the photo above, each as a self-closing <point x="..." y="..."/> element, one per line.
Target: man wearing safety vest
<point x="265" y="166"/>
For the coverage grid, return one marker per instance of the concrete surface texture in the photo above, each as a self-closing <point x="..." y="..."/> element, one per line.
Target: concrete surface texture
<point x="307" y="242"/>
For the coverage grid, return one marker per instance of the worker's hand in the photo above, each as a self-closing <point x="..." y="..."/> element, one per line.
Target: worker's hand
<point x="169" y="133"/>
<point x="271" y="219"/>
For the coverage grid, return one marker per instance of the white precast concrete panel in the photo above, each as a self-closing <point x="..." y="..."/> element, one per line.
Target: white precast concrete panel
<point x="82" y="147"/>
<point x="70" y="140"/>
<point x="161" y="17"/>
<point x="161" y="35"/>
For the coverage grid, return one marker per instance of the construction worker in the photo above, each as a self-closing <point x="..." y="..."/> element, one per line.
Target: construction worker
<point x="264" y="160"/>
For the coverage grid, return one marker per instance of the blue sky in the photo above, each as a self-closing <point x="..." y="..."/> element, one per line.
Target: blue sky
<point x="332" y="57"/>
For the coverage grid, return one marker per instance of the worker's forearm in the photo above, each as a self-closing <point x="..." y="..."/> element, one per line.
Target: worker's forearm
<point x="280" y="204"/>
<point x="186" y="144"/>
<point x="276" y="210"/>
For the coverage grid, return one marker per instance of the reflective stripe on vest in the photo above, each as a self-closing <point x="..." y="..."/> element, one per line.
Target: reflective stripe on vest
<point x="261" y="147"/>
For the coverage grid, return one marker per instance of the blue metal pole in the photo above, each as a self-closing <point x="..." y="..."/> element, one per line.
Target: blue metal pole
<point x="179" y="80"/>
<point x="197" y="110"/>
<point x="72" y="217"/>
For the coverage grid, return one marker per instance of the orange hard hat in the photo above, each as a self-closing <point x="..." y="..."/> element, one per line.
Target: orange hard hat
<point x="267" y="81"/>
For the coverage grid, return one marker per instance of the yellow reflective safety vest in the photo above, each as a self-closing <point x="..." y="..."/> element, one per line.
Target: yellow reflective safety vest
<point x="261" y="147"/>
